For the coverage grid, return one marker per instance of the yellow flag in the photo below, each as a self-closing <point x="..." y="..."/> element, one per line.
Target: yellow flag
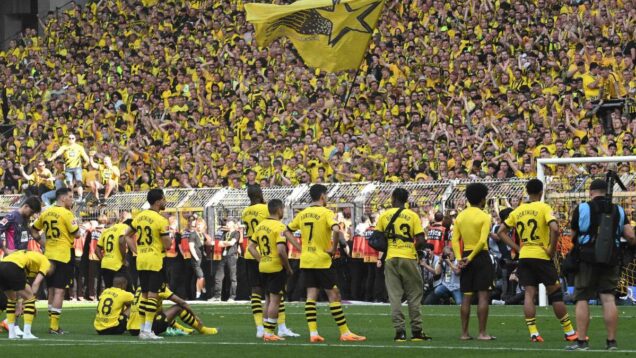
<point x="332" y="35"/>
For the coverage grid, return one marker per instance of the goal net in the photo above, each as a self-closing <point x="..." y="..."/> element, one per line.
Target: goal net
<point x="567" y="184"/>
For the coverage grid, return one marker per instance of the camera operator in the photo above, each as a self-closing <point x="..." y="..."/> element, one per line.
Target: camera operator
<point x="448" y="283"/>
<point x="426" y="259"/>
<point x="592" y="278"/>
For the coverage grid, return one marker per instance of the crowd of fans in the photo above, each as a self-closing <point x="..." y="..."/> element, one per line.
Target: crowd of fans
<point x="176" y="94"/>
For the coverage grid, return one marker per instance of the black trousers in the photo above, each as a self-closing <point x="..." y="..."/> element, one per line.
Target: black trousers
<point x="132" y="269"/>
<point x="295" y="286"/>
<point x="243" y="289"/>
<point x="229" y="263"/>
<point x="358" y="279"/>
<point x="342" y="277"/>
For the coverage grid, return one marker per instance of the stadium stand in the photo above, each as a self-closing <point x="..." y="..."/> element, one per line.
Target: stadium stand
<point x="178" y="96"/>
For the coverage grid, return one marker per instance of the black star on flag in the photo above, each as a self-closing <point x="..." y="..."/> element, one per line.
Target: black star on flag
<point x="328" y="34"/>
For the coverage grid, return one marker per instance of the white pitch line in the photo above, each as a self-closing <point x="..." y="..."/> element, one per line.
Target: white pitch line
<point x="62" y="342"/>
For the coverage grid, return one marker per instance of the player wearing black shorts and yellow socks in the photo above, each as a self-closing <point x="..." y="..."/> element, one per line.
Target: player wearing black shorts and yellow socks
<point x="538" y="230"/>
<point x="165" y="319"/>
<point x="153" y="238"/>
<point x="317" y="225"/>
<point x="60" y="229"/>
<point x="252" y="216"/>
<point x="272" y="264"/>
<point x="15" y="270"/>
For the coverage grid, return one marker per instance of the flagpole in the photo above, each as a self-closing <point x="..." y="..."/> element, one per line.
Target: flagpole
<point x="355" y="77"/>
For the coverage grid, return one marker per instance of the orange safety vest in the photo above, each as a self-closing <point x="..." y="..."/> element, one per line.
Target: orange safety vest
<point x="33" y="245"/>
<point x="92" y="254"/>
<point x="292" y="253"/>
<point x="78" y="245"/>
<point x="436" y="237"/>
<point x="370" y="255"/>
<point x="357" y="251"/>
<point x="217" y="254"/>
<point x="171" y="252"/>
<point x="184" y="243"/>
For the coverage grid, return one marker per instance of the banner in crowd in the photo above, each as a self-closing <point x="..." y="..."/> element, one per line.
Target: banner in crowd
<point x="332" y="35"/>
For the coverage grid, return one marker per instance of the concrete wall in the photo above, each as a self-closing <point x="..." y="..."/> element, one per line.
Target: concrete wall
<point x="16" y="15"/>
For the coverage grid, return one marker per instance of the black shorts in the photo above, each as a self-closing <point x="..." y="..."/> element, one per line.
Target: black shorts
<point x="12" y="277"/>
<point x="62" y="275"/>
<point x="254" y="277"/>
<point x="109" y="275"/>
<point x="117" y="330"/>
<point x="478" y="275"/>
<point x="319" y="278"/>
<point x="275" y="283"/>
<point x="161" y="324"/>
<point x="532" y="272"/>
<point x="151" y="281"/>
<point x="196" y="266"/>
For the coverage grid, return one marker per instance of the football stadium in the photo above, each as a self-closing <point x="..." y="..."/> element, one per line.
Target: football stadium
<point x="317" y="177"/>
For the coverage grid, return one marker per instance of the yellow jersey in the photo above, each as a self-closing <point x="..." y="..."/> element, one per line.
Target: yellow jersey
<point x="107" y="174"/>
<point x="315" y="224"/>
<point x="267" y="237"/>
<point x="59" y="227"/>
<point x="408" y="225"/>
<point x="135" y="320"/>
<point x="73" y="154"/>
<point x="150" y="227"/>
<point x="32" y="262"/>
<point x="111" y="304"/>
<point x="532" y="224"/>
<point x="252" y="217"/>
<point x="109" y="242"/>
<point x="472" y="228"/>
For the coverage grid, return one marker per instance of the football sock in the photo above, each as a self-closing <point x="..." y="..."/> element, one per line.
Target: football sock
<point x="270" y="325"/>
<point x="29" y="314"/>
<point x="150" y="305"/>
<point x="339" y="317"/>
<point x="257" y="309"/>
<point x="11" y="314"/>
<point x="189" y="319"/>
<point x="54" y="318"/>
<point x="310" y="314"/>
<point x="566" y="324"/>
<point x="281" y="313"/>
<point x="532" y="326"/>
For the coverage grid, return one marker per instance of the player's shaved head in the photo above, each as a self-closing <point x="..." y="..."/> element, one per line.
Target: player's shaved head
<point x="120" y="281"/>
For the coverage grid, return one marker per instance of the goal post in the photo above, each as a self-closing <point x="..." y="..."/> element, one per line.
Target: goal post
<point x="565" y="192"/>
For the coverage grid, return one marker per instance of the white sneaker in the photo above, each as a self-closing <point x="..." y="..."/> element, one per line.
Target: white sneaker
<point x="498" y="302"/>
<point x="153" y="336"/>
<point x="29" y="337"/>
<point x="229" y="300"/>
<point x="287" y="333"/>
<point x="18" y="331"/>
<point x="260" y="331"/>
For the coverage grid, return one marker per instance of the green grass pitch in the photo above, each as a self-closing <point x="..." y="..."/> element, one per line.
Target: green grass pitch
<point x="237" y="335"/>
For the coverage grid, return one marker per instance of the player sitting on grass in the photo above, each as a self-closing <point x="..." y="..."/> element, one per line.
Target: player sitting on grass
<point x="113" y="308"/>
<point x="14" y="271"/>
<point x="165" y="320"/>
